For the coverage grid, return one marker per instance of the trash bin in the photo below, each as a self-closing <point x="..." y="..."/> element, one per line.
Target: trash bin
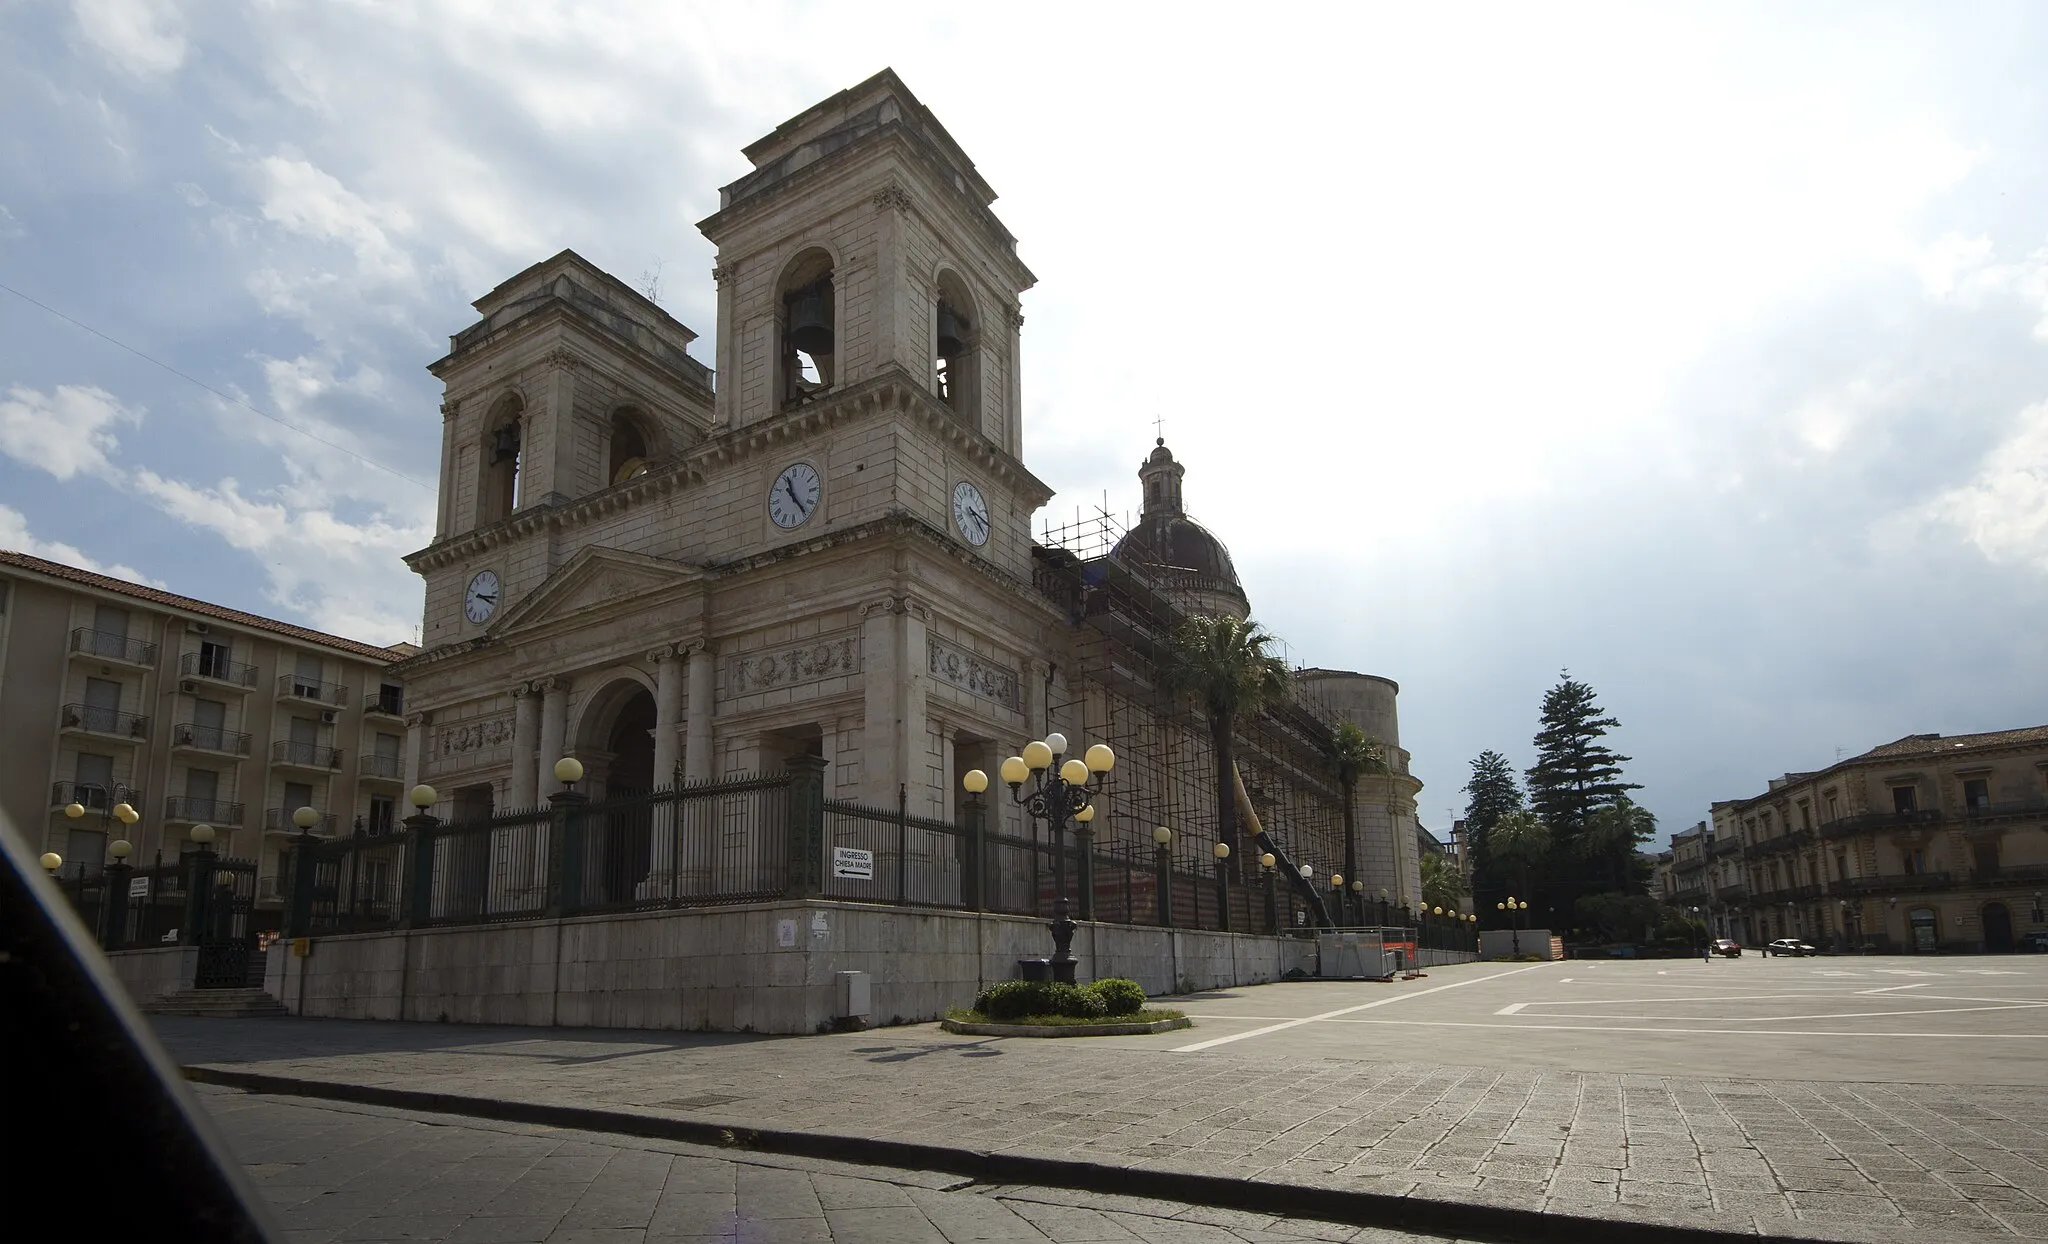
<point x="1034" y="969"/>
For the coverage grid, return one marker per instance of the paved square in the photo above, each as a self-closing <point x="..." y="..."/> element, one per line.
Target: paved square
<point x="1854" y="1099"/>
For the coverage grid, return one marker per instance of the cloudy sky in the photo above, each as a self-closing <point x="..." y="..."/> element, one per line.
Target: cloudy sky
<point x="1701" y="350"/>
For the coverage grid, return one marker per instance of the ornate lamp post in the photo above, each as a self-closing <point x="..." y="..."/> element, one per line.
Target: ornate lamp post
<point x="1271" y="878"/>
<point x="1056" y="796"/>
<point x="1517" y="906"/>
<point x="1162" y="864"/>
<point x="1358" y="899"/>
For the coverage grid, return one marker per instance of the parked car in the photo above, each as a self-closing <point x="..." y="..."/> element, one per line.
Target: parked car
<point x="2035" y="941"/>
<point x="1790" y="946"/>
<point x="1727" y="948"/>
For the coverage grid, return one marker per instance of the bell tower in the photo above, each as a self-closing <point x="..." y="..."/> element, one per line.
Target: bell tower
<point x="862" y="245"/>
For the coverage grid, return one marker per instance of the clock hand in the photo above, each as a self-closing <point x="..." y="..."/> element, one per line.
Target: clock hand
<point x="794" y="500"/>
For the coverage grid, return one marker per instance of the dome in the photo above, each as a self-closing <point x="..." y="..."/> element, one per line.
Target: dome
<point x="1177" y="542"/>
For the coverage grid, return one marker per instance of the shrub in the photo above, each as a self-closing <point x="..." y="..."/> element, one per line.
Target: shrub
<point x="1012" y="1000"/>
<point x="1120" y="996"/>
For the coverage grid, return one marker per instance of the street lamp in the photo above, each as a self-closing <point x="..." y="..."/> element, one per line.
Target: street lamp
<point x="1055" y="796"/>
<point x="1337" y="888"/>
<point x="1222" y="853"/>
<point x="1267" y="860"/>
<point x="1162" y="863"/>
<point x="51" y="862"/>
<point x="1517" y="906"/>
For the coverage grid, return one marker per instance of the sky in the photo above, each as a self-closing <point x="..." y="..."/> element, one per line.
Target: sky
<point x="1700" y="350"/>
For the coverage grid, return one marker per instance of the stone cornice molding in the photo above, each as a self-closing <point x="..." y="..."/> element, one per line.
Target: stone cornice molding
<point x="723" y="271"/>
<point x="889" y="392"/>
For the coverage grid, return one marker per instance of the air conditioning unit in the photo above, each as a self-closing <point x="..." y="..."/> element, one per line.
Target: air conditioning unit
<point x="328" y="716"/>
<point x="188" y="686"/>
<point x="197" y="628"/>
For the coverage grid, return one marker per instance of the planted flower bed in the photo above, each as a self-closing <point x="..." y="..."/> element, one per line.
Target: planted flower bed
<point x="1112" y="1007"/>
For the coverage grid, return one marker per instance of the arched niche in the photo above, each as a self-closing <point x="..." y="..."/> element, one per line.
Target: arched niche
<point x="955" y="348"/>
<point x="807" y="329"/>
<point x="503" y="437"/>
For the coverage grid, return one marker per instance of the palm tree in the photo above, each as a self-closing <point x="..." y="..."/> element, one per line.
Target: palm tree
<point x="1610" y="838"/>
<point x="1441" y="884"/>
<point x="1221" y="664"/>
<point x="1521" y="841"/>
<point x="1352" y="752"/>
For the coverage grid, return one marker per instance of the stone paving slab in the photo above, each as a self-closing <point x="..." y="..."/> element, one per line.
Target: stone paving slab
<point x="1784" y="1158"/>
<point x="337" y="1173"/>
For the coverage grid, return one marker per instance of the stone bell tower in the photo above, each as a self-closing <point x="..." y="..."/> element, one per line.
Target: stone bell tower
<point x="863" y="244"/>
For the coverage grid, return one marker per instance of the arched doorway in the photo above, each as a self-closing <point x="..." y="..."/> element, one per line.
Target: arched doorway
<point x="1997" y="928"/>
<point x="616" y="745"/>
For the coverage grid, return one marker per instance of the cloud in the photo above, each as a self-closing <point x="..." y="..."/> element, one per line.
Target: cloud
<point x="10" y="228"/>
<point x="2003" y="510"/>
<point x="139" y="37"/>
<point x="63" y="432"/>
<point x="15" y="535"/>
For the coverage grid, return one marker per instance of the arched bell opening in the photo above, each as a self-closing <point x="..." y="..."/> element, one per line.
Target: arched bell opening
<point x="808" y="298"/>
<point x="956" y="372"/>
<point x="630" y="445"/>
<point x="498" y="482"/>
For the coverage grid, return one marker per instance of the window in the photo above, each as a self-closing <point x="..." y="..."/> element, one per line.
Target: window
<point x="498" y="481"/>
<point x="1834" y="813"/>
<point x="202" y="786"/>
<point x="214" y="659"/>
<point x="382" y="811"/>
<point x="1768" y="831"/>
<point x="93" y="776"/>
<point x="1985" y="856"/>
<point x="1976" y="792"/>
<point x="1805" y="815"/>
<point x="109" y="630"/>
<point x="1841" y="866"/>
<point x="1905" y="799"/>
<point x="1913" y="860"/>
<point x="390" y="699"/>
<point x="629" y="447"/>
<point x="306" y="676"/>
<point x="102" y="705"/>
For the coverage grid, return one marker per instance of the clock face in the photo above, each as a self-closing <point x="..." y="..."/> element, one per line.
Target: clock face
<point x="970" y="513"/>
<point x="794" y="495"/>
<point x="481" y="600"/>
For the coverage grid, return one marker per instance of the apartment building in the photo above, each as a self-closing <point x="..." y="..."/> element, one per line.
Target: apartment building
<point x="190" y="713"/>
<point x="1925" y="843"/>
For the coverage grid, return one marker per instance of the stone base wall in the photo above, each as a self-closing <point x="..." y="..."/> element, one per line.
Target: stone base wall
<point x="151" y="974"/>
<point x="1500" y="943"/>
<point x="768" y="967"/>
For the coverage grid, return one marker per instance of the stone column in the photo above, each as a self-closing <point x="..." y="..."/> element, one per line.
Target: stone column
<point x="668" y="713"/>
<point x="697" y="745"/>
<point x="525" y="747"/>
<point x="554" y="730"/>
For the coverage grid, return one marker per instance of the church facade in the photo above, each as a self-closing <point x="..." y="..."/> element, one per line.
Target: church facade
<point x="823" y="547"/>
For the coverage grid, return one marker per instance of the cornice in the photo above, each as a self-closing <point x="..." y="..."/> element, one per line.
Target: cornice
<point x="890" y="391"/>
<point x="553" y="316"/>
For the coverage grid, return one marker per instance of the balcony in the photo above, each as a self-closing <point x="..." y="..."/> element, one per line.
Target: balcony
<point x="383" y="705"/>
<point x="91" y="795"/>
<point x="384" y="768"/>
<point x="1726" y="845"/>
<point x="2016" y="807"/>
<point x="1901" y="883"/>
<point x="311" y="691"/>
<point x="1731" y="894"/>
<point x="105" y="646"/>
<point x="184" y="810"/>
<point x="209" y="739"/>
<point x="105" y="722"/>
<point x="1868" y="822"/>
<point x="1789" y="840"/>
<point x="279" y="821"/>
<point x="304" y="755"/>
<point x="2009" y="874"/>
<point x="219" y="670"/>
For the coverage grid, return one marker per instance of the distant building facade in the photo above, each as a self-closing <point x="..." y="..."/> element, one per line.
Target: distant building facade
<point x="1923" y="844"/>
<point x="189" y="712"/>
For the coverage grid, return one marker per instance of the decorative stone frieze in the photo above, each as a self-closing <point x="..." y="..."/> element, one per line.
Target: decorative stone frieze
<point x="793" y="665"/>
<point x="973" y="674"/>
<point x="475" y="735"/>
<point x="893" y="197"/>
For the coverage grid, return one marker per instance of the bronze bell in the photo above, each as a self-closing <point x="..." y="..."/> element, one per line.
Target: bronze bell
<point x="810" y="319"/>
<point x="952" y="333"/>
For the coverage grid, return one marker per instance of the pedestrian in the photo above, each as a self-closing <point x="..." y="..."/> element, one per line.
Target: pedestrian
<point x="1707" y="951"/>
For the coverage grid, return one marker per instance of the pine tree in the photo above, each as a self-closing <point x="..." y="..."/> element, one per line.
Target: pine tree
<point x="1575" y="776"/>
<point x="1574" y="773"/>
<point x="1494" y="792"/>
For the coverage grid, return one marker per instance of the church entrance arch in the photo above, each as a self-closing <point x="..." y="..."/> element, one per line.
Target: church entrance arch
<point x="615" y="742"/>
<point x="1997" y="928"/>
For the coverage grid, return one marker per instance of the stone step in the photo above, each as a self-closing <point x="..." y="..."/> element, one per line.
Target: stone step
<point x="220" y="1003"/>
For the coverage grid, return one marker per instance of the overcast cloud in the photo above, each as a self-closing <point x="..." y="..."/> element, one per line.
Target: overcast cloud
<point x="1701" y="350"/>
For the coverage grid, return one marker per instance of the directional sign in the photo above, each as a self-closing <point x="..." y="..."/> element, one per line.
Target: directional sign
<point x="138" y="887"/>
<point x="853" y="862"/>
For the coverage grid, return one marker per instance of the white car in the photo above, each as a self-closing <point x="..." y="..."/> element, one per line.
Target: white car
<point x="1790" y="946"/>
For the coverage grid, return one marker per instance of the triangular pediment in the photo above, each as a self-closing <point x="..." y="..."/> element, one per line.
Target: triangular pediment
<point x="595" y="580"/>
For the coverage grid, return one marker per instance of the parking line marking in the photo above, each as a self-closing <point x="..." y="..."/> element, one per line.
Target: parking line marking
<point x="1711" y="1032"/>
<point x="1363" y="1006"/>
<point x="1511" y="1008"/>
<point x="1896" y="988"/>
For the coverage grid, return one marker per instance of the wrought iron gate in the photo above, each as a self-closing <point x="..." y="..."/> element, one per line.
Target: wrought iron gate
<point x="226" y="943"/>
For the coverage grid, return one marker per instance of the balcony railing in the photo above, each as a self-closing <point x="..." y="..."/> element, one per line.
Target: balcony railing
<point x="209" y="738"/>
<point x="1731" y="894"/>
<point x="217" y="668"/>
<point x="184" y="808"/>
<point x="1867" y="821"/>
<point x="389" y="768"/>
<point x="1788" y="840"/>
<point x="2015" y="807"/>
<point x="1896" y="883"/>
<point x="305" y="755"/>
<point x="96" y="720"/>
<point x="279" y="820"/>
<point x="293" y="687"/>
<point x="91" y="795"/>
<point x="385" y="705"/>
<point x="111" y="647"/>
<point x="2006" y="873"/>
